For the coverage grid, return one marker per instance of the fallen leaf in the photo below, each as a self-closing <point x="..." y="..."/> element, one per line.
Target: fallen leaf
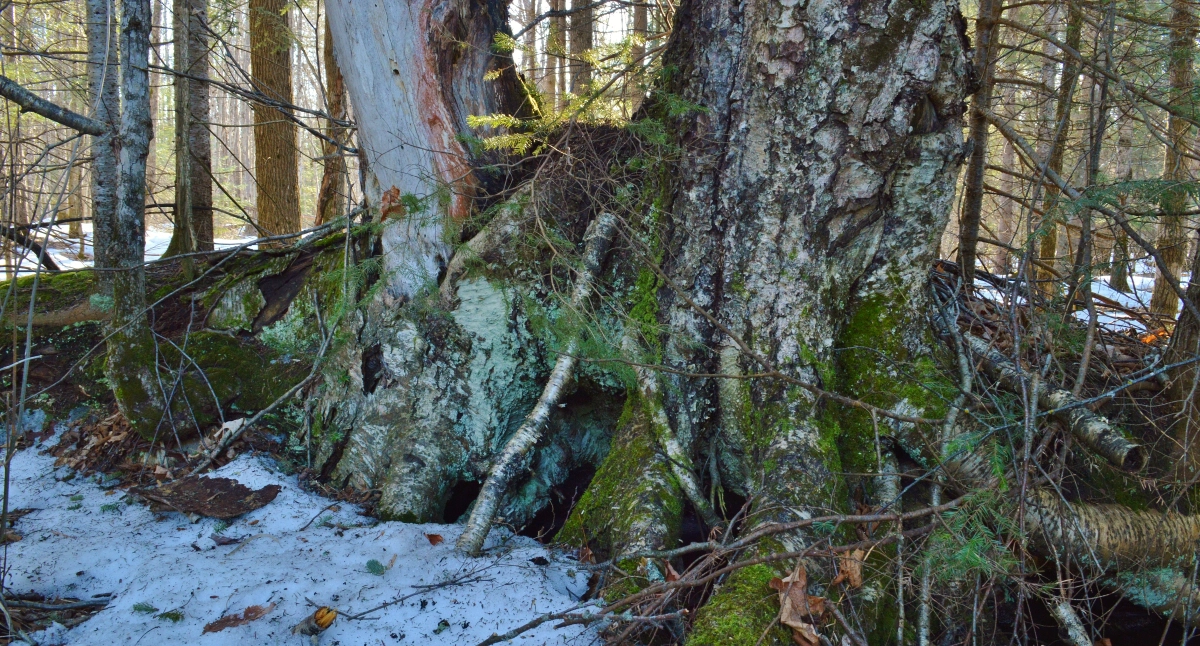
<point x="1103" y="641"/>
<point x="212" y="497"/>
<point x="671" y="574"/>
<point x="586" y="556"/>
<point x="434" y="539"/>
<point x="392" y="562"/>
<point x="850" y="569"/>
<point x="238" y="618"/>
<point x="10" y="537"/>
<point x="224" y="540"/>
<point x="796" y="608"/>
<point x="390" y="204"/>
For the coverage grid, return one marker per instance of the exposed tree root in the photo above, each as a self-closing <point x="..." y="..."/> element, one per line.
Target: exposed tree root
<point x="1092" y="430"/>
<point x="678" y="458"/>
<point x="499" y="230"/>
<point x="512" y="460"/>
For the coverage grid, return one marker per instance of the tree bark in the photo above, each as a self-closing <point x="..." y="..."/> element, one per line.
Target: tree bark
<point x="131" y="356"/>
<point x="582" y="29"/>
<point x="1172" y="239"/>
<point x="275" y="162"/>
<point x="193" y="149"/>
<point x="103" y="76"/>
<point x="1119" y="279"/>
<point x="331" y="197"/>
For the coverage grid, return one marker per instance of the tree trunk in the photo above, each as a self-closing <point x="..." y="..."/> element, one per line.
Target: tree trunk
<point x="1172" y="239"/>
<point x="1058" y="135"/>
<point x="556" y="50"/>
<point x="1119" y="279"/>
<point x="193" y="150"/>
<point x="972" y="207"/>
<point x="583" y="25"/>
<point x="103" y="75"/>
<point x="131" y="354"/>
<point x="275" y="163"/>
<point x="331" y="197"/>
<point x="794" y="237"/>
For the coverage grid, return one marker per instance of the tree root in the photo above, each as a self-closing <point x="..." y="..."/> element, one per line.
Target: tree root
<point x="1092" y="430"/>
<point x="679" y="460"/>
<point x="490" y="238"/>
<point x="512" y="460"/>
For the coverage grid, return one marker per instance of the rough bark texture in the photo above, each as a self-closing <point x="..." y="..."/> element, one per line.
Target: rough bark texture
<point x="193" y="150"/>
<point x="275" y="163"/>
<point x="103" y="76"/>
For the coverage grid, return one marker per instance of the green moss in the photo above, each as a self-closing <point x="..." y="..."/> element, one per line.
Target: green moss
<point x="740" y="611"/>
<point x="633" y="488"/>
<point x="56" y="291"/>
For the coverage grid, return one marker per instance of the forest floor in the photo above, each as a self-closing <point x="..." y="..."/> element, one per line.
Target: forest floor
<point x="79" y="537"/>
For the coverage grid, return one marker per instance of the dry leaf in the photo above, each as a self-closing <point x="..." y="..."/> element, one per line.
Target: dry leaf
<point x="585" y="555"/>
<point x="392" y="562"/>
<point x="672" y="575"/>
<point x="796" y="608"/>
<point x="1103" y="641"/>
<point x="390" y="204"/>
<point x="434" y="539"/>
<point x="850" y="569"/>
<point x="238" y="618"/>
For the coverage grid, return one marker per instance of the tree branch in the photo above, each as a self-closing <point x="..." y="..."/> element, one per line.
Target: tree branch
<point x="30" y="102"/>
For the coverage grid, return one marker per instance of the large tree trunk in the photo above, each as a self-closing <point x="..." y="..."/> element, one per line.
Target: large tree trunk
<point x="796" y="236"/>
<point x="103" y="76"/>
<point x="275" y="162"/>
<point x="193" y="150"/>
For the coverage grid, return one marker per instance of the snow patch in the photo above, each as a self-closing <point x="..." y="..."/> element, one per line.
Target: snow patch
<point x="84" y="540"/>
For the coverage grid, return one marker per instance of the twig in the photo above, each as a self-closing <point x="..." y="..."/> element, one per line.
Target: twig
<point x="91" y="603"/>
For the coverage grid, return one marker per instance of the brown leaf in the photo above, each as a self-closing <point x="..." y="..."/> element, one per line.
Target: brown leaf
<point x="796" y="608"/>
<point x="1103" y="641"/>
<point x="212" y="497"/>
<point x="10" y="537"/>
<point x="850" y="568"/>
<point x="585" y="555"/>
<point x="434" y="539"/>
<point x="238" y="618"/>
<point x="672" y="575"/>
<point x="390" y="204"/>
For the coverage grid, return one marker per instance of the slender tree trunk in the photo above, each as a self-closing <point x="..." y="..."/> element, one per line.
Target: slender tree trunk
<point x="193" y="147"/>
<point x="275" y="162"/>
<point x="331" y="199"/>
<point x="1119" y="279"/>
<point x="1184" y="386"/>
<point x="1007" y="225"/>
<point x="103" y="77"/>
<point x="582" y="29"/>
<point x="1059" y="133"/>
<point x="556" y="50"/>
<point x="152" y="179"/>
<point x="131" y="356"/>
<point x="1173" y="233"/>
<point x="972" y="206"/>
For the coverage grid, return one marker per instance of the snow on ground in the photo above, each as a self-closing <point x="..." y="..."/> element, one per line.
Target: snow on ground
<point x="84" y="540"/>
<point x="157" y="241"/>
<point x="1111" y="319"/>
